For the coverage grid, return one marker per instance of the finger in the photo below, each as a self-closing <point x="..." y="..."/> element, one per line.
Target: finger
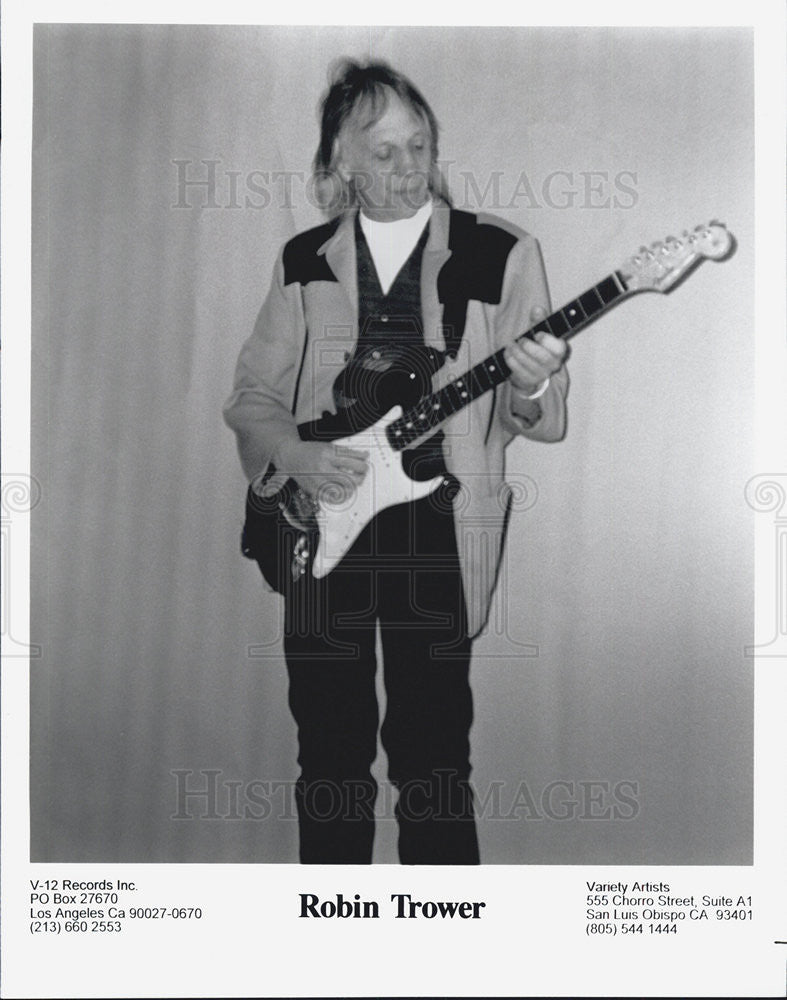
<point x="529" y="351"/>
<point x="554" y="345"/>
<point x="529" y="368"/>
<point x="549" y="356"/>
<point x="349" y="465"/>
<point x="346" y="467"/>
<point x="345" y="452"/>
<point x="537" y="313"/>
<point x="525" y="371"/>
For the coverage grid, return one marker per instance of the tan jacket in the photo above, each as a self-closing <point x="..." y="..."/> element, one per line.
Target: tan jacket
<point x="305" y="333"/>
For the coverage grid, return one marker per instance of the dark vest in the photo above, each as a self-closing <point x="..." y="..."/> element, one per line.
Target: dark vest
<point x="395" y="318"/>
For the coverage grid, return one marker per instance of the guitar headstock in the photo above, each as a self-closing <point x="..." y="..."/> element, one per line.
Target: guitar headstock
<point x="658" y="267"/>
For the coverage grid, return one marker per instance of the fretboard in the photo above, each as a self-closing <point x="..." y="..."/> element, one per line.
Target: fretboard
<point x="432" y="410"/>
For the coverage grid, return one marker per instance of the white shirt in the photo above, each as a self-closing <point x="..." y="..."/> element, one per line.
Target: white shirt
<point x="391" y="243"/>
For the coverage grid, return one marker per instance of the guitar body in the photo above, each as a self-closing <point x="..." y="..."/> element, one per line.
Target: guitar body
<point x="289" y="532"/>
<point x="341" y="518"/>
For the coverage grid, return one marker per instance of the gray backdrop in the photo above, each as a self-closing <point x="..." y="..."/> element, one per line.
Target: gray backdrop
<point x="615" y="650"/>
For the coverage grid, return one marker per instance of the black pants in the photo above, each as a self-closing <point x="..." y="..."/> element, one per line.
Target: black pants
<point x="403" y="571"/>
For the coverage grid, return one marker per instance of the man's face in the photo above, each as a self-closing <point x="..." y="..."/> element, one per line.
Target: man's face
<point x="388" y="161"/>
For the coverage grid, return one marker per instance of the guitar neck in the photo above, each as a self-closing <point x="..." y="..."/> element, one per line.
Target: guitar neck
<point x="438" y="406"/>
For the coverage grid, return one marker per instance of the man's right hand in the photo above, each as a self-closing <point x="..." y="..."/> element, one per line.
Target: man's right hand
<point x="319" y="467"/>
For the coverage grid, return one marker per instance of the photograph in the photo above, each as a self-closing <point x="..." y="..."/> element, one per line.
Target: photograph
<point x="315" y="296"/>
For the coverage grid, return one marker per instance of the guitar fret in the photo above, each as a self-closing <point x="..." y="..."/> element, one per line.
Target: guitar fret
<point x="608" y="290"/>
<point x="457" y="388"/>
<point x="591" y="302"/>
<point x="543" y="327"/>
<point x="445" y="402"/>
<point x="477" y="388"/>
<point x="482" y="377"/>
<point x="502" y="371"/>
<point x="558" y="324"/>
<point x="574" y="313"/>
<point x="432" y="416"/>
<point x="621" y="281"/>
<point x="490" y="369"/>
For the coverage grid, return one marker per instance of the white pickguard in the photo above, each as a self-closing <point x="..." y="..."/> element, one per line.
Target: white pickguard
<point x="384" y="485"/>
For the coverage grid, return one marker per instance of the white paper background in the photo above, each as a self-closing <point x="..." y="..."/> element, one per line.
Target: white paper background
<point x="532" y="939"/>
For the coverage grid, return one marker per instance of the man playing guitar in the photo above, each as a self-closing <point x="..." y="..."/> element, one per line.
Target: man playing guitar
<point x="396" y="294"/>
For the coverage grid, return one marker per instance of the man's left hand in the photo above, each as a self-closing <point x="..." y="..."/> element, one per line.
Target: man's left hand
<point x="532" y="362"/>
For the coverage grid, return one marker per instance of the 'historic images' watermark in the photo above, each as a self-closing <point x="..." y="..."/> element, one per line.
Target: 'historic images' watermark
<point x="209" y="184"/>
<point x="767" y="493"/>
<point x="19" y="495"/>
<point x="208" y="794"/>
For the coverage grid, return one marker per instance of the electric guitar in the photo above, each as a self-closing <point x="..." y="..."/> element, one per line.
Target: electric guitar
<point x="287" y="531"/>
